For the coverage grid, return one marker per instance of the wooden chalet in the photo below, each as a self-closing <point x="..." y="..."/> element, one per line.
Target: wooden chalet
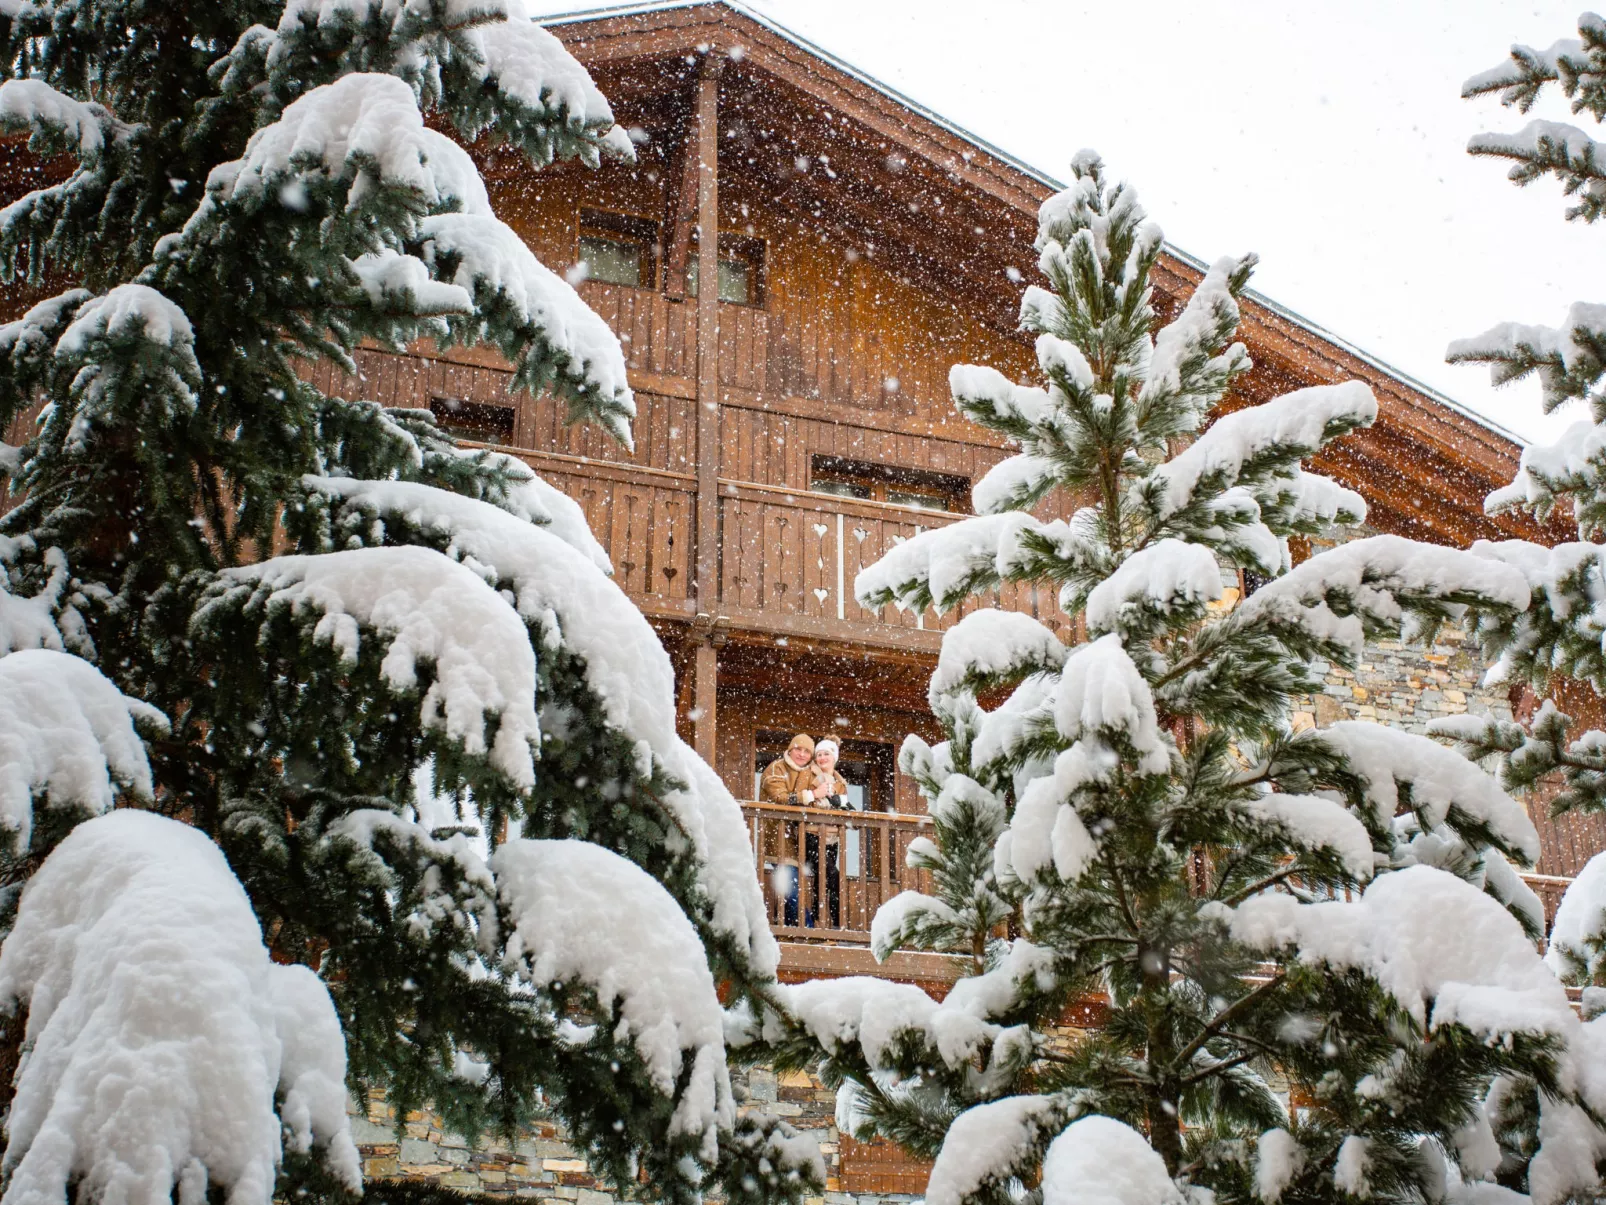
<point x="795" y="420"/>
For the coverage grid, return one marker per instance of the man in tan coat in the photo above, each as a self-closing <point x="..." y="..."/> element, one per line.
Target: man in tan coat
<point x="788" y="778"/>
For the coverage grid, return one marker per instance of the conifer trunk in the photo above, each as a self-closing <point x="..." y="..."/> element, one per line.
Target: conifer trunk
<point x="1161" y="1108"/>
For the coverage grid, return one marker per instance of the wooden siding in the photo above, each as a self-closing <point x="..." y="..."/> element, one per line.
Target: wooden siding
<point x="882" y="1167"/>
<point x="837" y="326"/>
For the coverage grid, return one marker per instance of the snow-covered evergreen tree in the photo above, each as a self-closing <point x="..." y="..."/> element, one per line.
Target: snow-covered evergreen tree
<point x="422" y="743"/>
<point x="1555" y="646"/>
<point x="1317" y="953"/>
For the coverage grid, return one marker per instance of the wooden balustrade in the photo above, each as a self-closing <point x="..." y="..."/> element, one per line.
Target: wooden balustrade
<point x="860" y="858"/>
<point x="795" y="553"/>
<point x="800" y="853"/>
<point x="1549" y="888"/>
<point x="787" y="558"/>
<point x="657" y="332"/>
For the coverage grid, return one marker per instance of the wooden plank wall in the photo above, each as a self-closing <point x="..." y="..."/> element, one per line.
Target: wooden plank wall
<point x="665" y="427"/>
<point x="836" y="327"/>
<point x="772" y="447"/>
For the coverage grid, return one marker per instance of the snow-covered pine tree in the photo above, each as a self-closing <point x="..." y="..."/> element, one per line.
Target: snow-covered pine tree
<point x="1555" y="646"/>
<point x="421" y="742"/>
<point x="1317" y="953"/>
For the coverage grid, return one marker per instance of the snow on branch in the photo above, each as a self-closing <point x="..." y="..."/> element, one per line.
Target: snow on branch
<point x="529" y="66"/>
<point x="1447" y="952"/>
<point x="992" y="1143"/>
<point x="1548" y="474"/>
<point x="1313" y="823"/>
<point x="1193" y="361"/>
<point x="1103" y="707"/>
<point x="1576" y="935"/>
<point x="1569" y="359"/>
<point x="1256" y="445"/>
<point x="362" y="132"/>
<point x="912" y="918"/>
<point x="1101" y="696"/>
<point x="884" y="1019"/>
<point x="1552" y="148"/>
<point x="1400" y="769"/>
<point x="426" y="609"/>
<point x="67" y="738"/>
<point x="1100" y="1161"/>
<point x="129" y="310"/>
<point x="55" y="120"/>
<point x="1014" y="483"/>
<point x="485" y="61"/>
<point x="581" y="913"/>
<point x="532" y="316"/>
<point x="1561" y="630"/>
<point x="1168" y="578"/>
<point x="1334" y="599"/>
<point x="940" y="568"/>
<point x="561" y="593"/>
<point x="47" y="619"/>
<point x="167" y="1052"/>
<point x="986" y="396"/>
<point x="989" y="648"/>
<point x="1521" y="77"/>
<point x="535" y="500"/>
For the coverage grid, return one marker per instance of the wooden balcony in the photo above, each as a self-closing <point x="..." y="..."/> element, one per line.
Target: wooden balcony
<point x="787" y="558"/>
<point x="860" y="858"/>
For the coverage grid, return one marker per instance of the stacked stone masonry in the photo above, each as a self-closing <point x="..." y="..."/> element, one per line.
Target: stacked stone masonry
<point x="1406" y="686"/>
<point x="541" y="1166"/>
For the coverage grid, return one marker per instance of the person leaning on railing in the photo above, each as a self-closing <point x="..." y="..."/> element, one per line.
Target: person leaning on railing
<point x="786" y="780"/>
<point x="828" y="789"/>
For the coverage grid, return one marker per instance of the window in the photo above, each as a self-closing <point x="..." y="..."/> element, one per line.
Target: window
<point x="477" y="422"/>
<point x="619" y="249"/>
<point x="842" y="489"/>
<point x="916" y="488"/>
<point x="741" y="270"/>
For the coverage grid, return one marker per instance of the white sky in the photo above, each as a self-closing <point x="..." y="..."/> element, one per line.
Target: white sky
<point x="1327" y="137"/>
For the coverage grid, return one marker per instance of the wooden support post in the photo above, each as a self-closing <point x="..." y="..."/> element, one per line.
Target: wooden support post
<point x="705" y="683"/>
<point x="706" y="127"/>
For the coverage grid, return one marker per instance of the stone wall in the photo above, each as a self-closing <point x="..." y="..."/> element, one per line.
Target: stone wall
<point x="1406" y="686"/>
<point x="542" y="1166"/>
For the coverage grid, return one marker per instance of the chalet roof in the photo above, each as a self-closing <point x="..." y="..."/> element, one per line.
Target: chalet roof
<point x="1425" y="467"/>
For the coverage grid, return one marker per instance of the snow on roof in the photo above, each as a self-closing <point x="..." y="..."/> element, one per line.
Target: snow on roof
<point x="1035" y="174"/>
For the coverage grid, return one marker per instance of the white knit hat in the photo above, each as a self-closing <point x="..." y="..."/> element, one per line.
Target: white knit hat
<point x="824" y="741"/>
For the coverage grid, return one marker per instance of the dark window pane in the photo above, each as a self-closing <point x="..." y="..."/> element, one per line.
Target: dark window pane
<point x="842" y="489"/>
<point x="735" y="280"/>
<point x="612" y="261"/>
<point x="474" y="421"/>
<point x="915" y="498"/>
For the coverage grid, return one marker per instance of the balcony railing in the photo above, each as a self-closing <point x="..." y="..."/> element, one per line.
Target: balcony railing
<point x="795" y="553"/>
<point x="825" y="872"/>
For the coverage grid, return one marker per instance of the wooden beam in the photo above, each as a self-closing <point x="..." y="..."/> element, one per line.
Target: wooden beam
<point x="682" y="196"/>
<point x="705" y="697"/>
<point x="705" y="154"/>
